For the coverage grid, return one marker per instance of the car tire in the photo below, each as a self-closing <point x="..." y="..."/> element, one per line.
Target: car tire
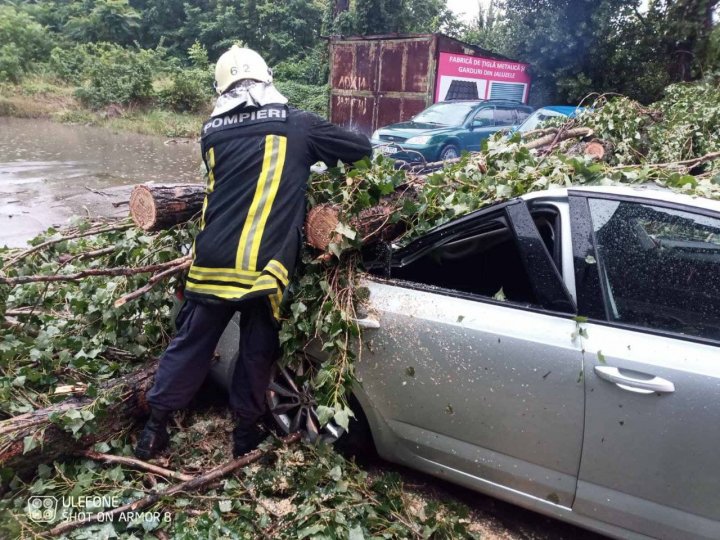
<point x="449" y="151"/>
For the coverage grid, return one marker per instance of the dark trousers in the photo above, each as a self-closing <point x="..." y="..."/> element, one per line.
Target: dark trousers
<point x="186" y="362"/>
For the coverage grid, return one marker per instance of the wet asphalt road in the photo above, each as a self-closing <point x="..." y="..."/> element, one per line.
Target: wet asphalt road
<point x="50" y="172"/>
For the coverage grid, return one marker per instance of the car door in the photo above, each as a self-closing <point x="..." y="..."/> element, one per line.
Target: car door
<point x="505" y="117"/>
<point x="648" y="277"/>
<point x="480" y="127"/>
<point x="471" y="373"/>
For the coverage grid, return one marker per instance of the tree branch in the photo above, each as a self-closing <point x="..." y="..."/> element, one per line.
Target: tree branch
<point x="136" y="464"/>
<point x="89" y="232"/>
<point x="195" y="483"/>
<point x="117" y="271"/>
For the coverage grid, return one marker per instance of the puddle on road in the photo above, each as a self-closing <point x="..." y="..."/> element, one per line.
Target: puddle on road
<point x="50" y="172"/>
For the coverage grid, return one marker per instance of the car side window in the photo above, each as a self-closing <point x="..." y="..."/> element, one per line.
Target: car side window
<point x="522" y="115"/>
<point x="485" y="262"/>
<point x="505" y="116"/>
<point x="484" y="117"/>
<point x="659" y="267"/>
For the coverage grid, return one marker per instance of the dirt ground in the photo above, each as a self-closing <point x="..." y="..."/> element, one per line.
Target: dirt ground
<point x="492" y="518"/>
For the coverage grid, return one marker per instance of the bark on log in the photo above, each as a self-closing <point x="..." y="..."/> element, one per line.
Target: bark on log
<point x="155" y="207"/>
<point x="555" y="138"/>
<point x="54" y="442"/>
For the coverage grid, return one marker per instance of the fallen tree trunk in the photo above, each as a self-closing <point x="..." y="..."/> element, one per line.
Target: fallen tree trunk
<point x="155" y="207"/>
<point x="51" y="441"/>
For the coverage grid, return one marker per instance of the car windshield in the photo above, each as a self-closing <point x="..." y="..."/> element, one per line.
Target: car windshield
<point x="445" y="114"/>
<point x="537" y="118"/>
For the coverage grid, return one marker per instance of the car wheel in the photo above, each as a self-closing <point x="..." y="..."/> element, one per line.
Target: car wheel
<point x="293" y="407"/>
<point x="449" y="152"/>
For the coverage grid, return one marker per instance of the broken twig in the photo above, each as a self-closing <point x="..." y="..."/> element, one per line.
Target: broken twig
<point x="136" y="464"/>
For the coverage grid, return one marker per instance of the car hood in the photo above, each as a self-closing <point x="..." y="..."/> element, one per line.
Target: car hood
<point x="405" y="130"/>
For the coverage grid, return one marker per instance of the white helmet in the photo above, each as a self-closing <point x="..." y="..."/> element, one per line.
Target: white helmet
<point x="237" y="64"/>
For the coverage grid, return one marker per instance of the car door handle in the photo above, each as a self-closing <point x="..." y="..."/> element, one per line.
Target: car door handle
<point x="368" y="322"/>
<point x="631" y="384"/>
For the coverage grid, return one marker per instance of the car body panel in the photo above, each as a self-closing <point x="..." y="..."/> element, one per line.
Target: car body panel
<point x="502" y="397"/>
<point x="645" y="466"/>
<point x="649" y="458"/>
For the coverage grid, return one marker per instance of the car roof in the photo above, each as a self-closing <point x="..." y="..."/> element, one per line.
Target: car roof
<point x="481" y="101"/>
<point x="644" y="191"/>
<point x="567" y="110"/>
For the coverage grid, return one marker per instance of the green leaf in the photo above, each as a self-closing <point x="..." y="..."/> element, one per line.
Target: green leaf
<point x="342" y="417"/>
<point x="336" y="473"/>
<point x="500" y="295"/>
<point x="325" y="414"/>
<point x="29" y="443"/>
<point x="345" y="231"/>
<point x="356" y="533"/>
<point x="307" y="531"/>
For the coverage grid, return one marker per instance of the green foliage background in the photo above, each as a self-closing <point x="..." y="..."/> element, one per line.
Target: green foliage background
<point x="73" y="334"/>
<point x="160" y="53"/>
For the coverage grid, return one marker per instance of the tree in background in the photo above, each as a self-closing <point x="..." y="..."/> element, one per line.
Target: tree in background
<point x="22" y="42"/>
<point x="112" y="21"/>
<point x="373" y="17"/>
<point x="576" y="47"/>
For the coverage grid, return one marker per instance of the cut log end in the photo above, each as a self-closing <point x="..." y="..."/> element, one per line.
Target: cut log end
<point x="595" y="150"/>
<point x="155" y="207"/>
<point x="142" y="207"/>
<point x="320" y="226"/>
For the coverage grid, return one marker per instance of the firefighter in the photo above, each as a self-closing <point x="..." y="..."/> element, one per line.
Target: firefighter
<point x="258" y="152"/>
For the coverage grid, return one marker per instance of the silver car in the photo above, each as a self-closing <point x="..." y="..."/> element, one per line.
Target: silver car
<point x="560" y="351"/>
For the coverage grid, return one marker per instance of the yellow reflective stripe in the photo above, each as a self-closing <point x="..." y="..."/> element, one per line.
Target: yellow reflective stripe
<point x="275" y="304"/>
<point x="220" y="277"/>
<point x="227" y="272"/>
<point x="210" y="156"/>
<point x="225" y="291"/>
<point x="278" y="270"/>
<point x="248" y="226"/>
<point x="278" y="164"/>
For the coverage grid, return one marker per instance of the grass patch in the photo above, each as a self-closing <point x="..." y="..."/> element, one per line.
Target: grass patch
<point x="38" y="97"/>
<point x="159" y="122"/>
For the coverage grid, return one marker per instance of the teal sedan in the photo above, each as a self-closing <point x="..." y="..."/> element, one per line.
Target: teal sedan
<point x="446" y="129"/>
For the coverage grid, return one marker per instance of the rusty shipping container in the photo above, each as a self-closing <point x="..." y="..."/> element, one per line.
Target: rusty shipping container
<point x="380" y="80"/>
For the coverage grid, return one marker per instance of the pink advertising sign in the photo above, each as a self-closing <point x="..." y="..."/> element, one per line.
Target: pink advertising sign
<point x="460" y="76"/>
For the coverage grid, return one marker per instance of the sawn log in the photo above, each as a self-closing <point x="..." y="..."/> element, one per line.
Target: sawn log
<point x="155" y="207"/>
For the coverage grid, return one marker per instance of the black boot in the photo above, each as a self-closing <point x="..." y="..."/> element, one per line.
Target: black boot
<point x="246" y="439"/>
<point x="154" y="436"/>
